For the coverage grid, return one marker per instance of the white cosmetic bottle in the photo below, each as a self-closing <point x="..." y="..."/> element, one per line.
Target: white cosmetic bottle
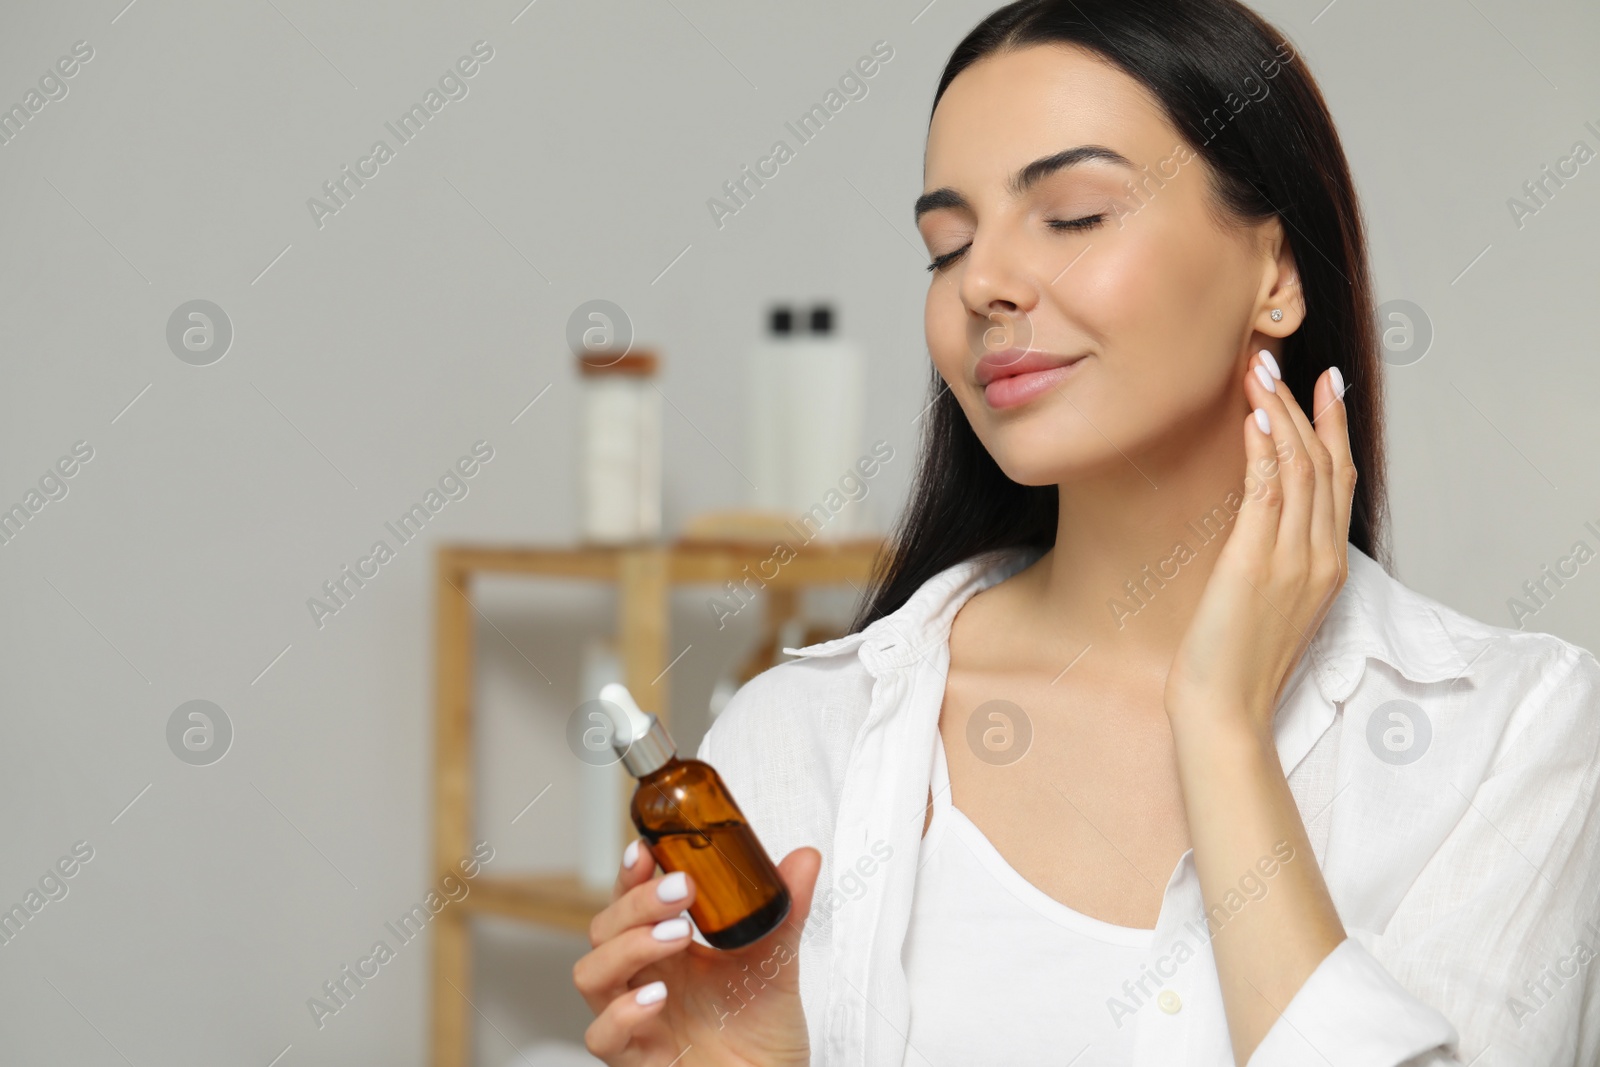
<point x="806" y="422"/>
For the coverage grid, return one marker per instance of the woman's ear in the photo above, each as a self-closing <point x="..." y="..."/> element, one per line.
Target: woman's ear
<point x="1282" y="307"/>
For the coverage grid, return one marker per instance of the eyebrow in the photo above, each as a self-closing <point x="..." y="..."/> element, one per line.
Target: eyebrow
<point x="1027" y="177"/>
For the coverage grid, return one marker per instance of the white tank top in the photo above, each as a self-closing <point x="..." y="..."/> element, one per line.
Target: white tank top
<point x="1000" y="972"/>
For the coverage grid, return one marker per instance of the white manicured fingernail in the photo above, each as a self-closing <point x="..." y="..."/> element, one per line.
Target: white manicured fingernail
<point x="1262" y="421"/>
<point x="649" y="994"/>
<point x="1265" y="379"/>
<point x="670" y="929"/>
<point x="674" y="886"/>
<point x="1270" y="363"/>
<point x="1338" y="381"/>
<point x="630" y="855"/>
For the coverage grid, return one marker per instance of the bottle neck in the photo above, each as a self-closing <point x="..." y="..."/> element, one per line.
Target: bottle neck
<point x="651" y="752"/>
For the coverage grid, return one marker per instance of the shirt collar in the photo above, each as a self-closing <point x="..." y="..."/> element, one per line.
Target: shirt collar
<point x="1377" y="617"/>
<point x="1374" y="616"/>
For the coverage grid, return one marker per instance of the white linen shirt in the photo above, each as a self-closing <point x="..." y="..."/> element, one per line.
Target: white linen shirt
<point x="1445" y="769"/>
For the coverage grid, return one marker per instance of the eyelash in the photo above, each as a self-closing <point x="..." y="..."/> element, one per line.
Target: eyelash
<point x="1070" y="225"/>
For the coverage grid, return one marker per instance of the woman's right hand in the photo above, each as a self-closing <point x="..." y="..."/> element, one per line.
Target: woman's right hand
<point x="643" y="947"/>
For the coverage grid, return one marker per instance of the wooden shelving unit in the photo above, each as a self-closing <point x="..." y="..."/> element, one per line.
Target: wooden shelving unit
<point x="644" y="575"/>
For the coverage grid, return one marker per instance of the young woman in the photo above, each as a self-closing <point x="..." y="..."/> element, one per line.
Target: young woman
<point x="1136" y="754"/>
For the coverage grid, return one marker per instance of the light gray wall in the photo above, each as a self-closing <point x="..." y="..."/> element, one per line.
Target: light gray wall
<point x="373" y="351"/>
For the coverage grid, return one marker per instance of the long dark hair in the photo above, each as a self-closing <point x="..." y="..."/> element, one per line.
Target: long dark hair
<point x="1278" y="155"/>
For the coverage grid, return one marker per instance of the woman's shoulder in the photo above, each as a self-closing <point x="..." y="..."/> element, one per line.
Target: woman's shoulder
<point x="1460" y="740"/>
<point x="799" y="711"/>
<point x="1532" y="699"/>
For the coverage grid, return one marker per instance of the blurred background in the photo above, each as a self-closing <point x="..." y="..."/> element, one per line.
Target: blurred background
<point x="243" y="346"/>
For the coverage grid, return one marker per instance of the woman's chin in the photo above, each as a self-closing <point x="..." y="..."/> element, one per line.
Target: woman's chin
<point x="1052" y="458"/>
<point x="1051" y="468"/>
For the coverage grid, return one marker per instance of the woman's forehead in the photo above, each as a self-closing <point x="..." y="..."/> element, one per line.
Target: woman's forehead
<point x="1013" y="107"/>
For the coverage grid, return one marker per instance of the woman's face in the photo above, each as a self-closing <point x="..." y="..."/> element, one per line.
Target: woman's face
<point x="1148" y="313"/>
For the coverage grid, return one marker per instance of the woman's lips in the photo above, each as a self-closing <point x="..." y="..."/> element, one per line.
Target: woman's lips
<point x="1020" y="388"/>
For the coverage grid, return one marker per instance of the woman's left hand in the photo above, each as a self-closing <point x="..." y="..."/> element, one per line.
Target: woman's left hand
<point x="1281" y="567"/>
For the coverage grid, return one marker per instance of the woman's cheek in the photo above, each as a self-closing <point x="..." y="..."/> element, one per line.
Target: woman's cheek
<point x="1127" y="301"/>
<point x="1117" y="288"/>
<point x="944" y="326"/>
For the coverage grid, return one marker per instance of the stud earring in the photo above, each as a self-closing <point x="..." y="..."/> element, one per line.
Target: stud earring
<point x="1277" y="314"/>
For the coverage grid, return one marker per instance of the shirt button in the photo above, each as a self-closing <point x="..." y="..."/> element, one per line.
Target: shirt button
<point x="1169" y="1002"/>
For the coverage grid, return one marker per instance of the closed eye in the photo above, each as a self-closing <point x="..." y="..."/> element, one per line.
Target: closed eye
<point x="1070" y="225"/>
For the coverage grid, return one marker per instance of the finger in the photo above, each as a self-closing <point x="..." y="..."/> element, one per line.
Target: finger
<point x="1333" y="427"/>
<point x="1320" y="520"/>
<point x="605" y="973"/>
<point x="613" y="1029"/>
<point x="638" y="863"/>
<point x="1296" y="473"/>
<point x="799" y="872"/>
<point x="645" y="904"/>
<point x="1256" y="527"/>
<point x="1286" y="394"/>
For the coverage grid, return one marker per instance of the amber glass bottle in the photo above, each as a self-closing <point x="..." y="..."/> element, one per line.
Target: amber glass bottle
<point x="683" y="808"/>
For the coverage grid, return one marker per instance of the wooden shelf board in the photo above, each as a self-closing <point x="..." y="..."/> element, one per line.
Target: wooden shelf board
<point x="558" y="899"/>
<point x="688" y="562"/>
<point x="575" y="562"/>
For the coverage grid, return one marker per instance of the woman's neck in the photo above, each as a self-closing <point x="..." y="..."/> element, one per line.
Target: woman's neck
<point x="1135" y="547"/>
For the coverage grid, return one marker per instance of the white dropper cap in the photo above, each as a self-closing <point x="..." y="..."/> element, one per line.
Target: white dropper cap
<point x="641" y="741"/>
